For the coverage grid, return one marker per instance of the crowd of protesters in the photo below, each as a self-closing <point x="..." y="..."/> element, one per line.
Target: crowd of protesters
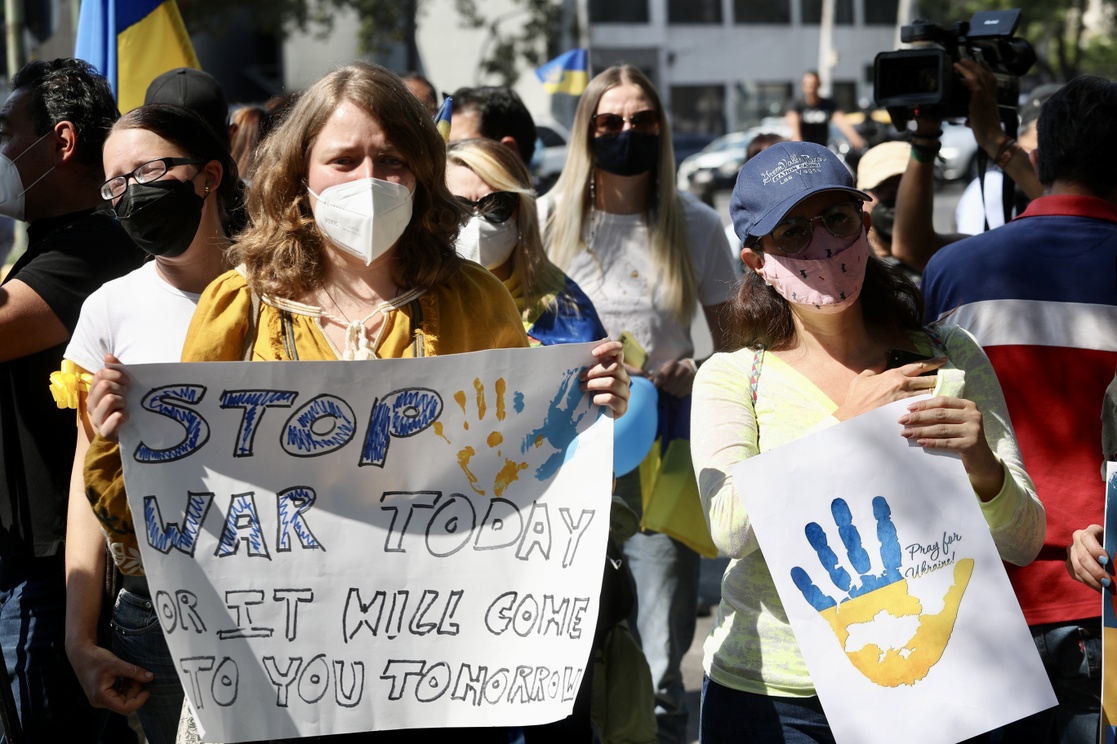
<point x="179" y="232"/>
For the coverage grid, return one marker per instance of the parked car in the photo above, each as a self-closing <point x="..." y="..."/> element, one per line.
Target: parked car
<point x="958" y="153"/>
<point x="717" y="165"/>
<point x="688" y="144"/>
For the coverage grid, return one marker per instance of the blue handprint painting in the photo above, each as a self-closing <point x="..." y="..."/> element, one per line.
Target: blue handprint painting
<point x="880" y="625"/>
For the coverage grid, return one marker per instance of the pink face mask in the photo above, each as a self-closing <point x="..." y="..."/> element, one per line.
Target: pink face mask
<point x="829" y="283"/>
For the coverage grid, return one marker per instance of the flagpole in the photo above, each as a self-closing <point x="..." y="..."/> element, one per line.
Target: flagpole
<point x="13" y="32"/>
<point x="582" y="16"/>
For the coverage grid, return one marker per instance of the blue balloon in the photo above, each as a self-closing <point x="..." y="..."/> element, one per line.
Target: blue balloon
<point x="634" y="432"/>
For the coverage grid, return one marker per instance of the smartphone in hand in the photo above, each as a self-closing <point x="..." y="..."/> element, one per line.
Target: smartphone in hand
<point x="900" y="357"/>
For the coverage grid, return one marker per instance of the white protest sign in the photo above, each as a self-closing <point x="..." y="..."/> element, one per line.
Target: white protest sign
<point x="349" y="546"/>
<point x="891" y="581"/>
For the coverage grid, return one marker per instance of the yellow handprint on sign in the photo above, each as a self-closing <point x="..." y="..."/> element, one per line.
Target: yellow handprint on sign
<point x="509" y="470"/>
<point x="880" y="624"/>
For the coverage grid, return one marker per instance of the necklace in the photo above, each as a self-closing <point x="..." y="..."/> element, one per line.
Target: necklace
<point x="356" y="334"/>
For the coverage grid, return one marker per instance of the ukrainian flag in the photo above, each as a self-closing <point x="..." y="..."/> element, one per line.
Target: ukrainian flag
<point x="442" y="119"/>
<point x="566" y="73"/>
<point x="132" y="42"/>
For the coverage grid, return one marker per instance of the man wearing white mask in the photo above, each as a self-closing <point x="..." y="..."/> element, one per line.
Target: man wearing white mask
<point x="52" y="127"/>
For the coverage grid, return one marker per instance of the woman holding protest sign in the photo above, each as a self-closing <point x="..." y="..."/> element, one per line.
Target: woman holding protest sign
<point x="171" y="182"/>
<point x="349" y="254"/>
<point x="828" y="333"/>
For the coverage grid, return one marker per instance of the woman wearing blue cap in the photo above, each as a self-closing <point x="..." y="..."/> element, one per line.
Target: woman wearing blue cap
<point x="828" y="332"/>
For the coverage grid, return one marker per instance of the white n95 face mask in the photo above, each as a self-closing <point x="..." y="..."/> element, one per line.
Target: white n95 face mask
<point x="365" y="217"/>
<point x="12" y="190"/>
<point x="487" y="243"/>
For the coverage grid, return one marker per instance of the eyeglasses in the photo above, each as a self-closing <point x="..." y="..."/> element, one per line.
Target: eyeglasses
<point x="150" y="171"/>
<point x="496" y="207"/>
<point x="642" y="121"/>
<point x="793" y="235"/>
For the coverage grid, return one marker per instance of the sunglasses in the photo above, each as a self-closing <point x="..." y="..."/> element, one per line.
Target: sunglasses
<point x="642" y="121"/>
<point x="495" y="208"/>
<point x="793" y="235"/>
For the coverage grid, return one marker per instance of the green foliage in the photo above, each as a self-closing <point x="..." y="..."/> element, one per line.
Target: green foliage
<point x="1054" y="27"/>
<point x="529" y="32"/>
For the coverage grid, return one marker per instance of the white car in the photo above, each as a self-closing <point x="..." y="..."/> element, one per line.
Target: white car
<point x="958" y="153"/>
<point x="717" y="165"/>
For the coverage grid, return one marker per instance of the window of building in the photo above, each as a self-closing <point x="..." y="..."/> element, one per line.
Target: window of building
<point x="757" y="101"/>
<point x="880" y="12"/>
<point x="618" y="11"/>
<point x="698" y="109"/>
<point x="812" y="12"/>
<point x="762" y="11"/>
<point x="694" y="11"/>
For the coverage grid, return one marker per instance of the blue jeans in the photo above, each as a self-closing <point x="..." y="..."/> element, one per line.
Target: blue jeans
<point x="1071" y="654"/>
<point x="735" y="717"/>
<point x="138" y="639"/>
<point x="52" y="706"/>
<point x="666" y="574"/>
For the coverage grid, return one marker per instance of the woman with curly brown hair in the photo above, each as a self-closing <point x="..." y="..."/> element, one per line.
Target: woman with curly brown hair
<point x="349" y="255"/>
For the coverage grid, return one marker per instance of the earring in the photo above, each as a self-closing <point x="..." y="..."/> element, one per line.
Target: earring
<point x="207" y="190"/>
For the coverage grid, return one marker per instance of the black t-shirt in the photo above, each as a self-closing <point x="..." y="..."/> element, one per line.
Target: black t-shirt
<point x="814" y="121"/>
<point x="67" y="258"/>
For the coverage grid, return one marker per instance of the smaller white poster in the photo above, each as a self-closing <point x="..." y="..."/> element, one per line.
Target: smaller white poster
<point x="892" y="584"/>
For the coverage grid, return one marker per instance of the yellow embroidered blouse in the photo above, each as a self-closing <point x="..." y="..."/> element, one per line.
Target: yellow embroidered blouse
<point x="470" y="312"/>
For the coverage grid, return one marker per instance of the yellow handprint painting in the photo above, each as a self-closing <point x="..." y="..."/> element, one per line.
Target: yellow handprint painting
<point x="475" y="406"/>
<point x="493" y="471"/>
<point x="882" y="627"/>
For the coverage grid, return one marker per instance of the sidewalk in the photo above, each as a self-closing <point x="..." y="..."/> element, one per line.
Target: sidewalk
<point x="709" y="594"/>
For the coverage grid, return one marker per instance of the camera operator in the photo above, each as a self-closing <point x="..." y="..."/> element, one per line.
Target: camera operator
<point x="914" y="239"/>
<point x="981" y="206"/>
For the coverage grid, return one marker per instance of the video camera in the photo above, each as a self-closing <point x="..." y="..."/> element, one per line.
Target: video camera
<point x="923" y="80"/>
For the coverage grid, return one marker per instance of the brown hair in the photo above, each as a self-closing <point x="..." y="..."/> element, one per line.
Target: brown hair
<point x="244" y="136"/>
<point x="188" y="131"/>
<point x="281" y="249"/>
<point x="761" y="318"/>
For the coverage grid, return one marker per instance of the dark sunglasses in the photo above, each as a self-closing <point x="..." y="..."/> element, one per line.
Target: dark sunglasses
<point x="642" y="121"/>
<point x="842" y="220"/>
<point x="496" y="207"/>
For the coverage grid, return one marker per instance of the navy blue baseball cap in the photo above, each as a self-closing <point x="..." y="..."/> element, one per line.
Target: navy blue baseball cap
<point x="772" y="182"/>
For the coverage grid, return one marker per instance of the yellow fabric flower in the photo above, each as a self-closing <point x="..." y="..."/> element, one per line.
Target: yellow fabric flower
<point x="67" y="384"/>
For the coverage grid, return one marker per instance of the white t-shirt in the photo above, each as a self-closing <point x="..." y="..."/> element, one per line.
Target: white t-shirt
<point x="139" y="318"/>
<point x="618" y="276"/>
<point x="971" y="213"/>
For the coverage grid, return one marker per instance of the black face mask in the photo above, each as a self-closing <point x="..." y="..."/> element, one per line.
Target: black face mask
<point x="884" y="215"/>
<point x="629" y="153"/>
<point x="161" y="217"/>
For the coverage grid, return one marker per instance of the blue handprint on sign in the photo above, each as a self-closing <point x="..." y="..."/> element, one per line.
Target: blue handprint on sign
<point x="865" y="619"/>
<point x="560" y="427"/>
<point x="890" y="555"/>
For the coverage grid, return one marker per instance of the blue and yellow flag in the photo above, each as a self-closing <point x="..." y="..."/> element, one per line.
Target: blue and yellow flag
<point x="442" y="119"/>
<point x="132" y="42"/>
<point x="566" y="73"/>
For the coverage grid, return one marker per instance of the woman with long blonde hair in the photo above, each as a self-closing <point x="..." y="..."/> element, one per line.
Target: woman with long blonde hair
<point x="502" y="234"/>
<point x="647" y="256"/>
